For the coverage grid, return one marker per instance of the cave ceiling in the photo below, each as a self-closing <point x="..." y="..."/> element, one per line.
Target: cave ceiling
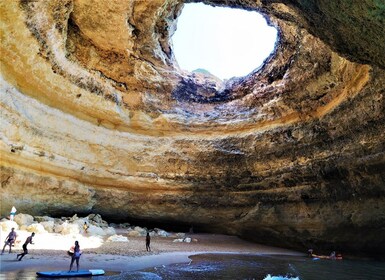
<point x="97" y="116"/>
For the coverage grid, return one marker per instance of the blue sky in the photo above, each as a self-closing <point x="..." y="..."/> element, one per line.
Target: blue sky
<point x="226" y="42"/>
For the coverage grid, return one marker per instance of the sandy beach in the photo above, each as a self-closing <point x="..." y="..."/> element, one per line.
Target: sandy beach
<point x="48" y="253"/>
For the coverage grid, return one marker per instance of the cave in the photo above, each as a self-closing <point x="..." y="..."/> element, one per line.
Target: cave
<point x="96" y="117"/>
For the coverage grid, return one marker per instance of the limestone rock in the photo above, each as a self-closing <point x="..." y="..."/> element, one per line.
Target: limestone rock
<point x="48" y="226"/>
<point x="95" y="230"/>
<point x="117" y="238"/>
<point x="23" y="219"/>
<point x="162" y="233"/>
<point x="124" y="225"/>
<point x="44" y="219"/>
<point x="180" y="235"/>
<point x="186" y="240"/>
<point x="6" y="227"/>
<point x="36" y="228"/>
<point x="97" y="117"/>
<point x="109" y="231"/>
<point x="97" y="220"/>
<point x="133" y="233"/>
<point x="142" y="231"/>
<point x="67" y="228"/>
<point x="178" y="240"/>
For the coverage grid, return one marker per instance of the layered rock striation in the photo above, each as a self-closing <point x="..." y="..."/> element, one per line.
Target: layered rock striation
<point x="97" y="117"/>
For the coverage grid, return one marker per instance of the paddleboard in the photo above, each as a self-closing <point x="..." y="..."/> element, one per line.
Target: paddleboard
<point x="96" y="272"/>
<point x="80" y="273"/>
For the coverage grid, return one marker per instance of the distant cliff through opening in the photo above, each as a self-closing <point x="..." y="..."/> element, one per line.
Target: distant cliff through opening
<point x="223" y="42"/>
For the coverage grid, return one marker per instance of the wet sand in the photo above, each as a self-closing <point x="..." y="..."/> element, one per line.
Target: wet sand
<point x="132" y="255"/>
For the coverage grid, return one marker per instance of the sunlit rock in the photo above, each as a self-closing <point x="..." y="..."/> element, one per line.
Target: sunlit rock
<point x="186" y="239"/>
<point x="117" y="238"/>
<point x="133" y="233"/>
<point x="95" y="230"/>
<point x="67" y="228"/>
<point x="23" y="219"/>
<point x="36" y="228"/>
<point x="162" y="233"/>
<point x="109" y="231"/>
<point x="6" y="227"/>
<point x="48" y="226"/>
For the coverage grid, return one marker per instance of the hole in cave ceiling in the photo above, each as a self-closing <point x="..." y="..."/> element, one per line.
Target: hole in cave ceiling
<point x="224" y="42"/>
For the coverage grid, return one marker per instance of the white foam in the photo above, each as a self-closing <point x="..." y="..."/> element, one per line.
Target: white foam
<point x="279" y="277"/>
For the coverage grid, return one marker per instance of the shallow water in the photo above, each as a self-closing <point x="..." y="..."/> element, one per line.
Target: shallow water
<point x="238" y="266"/>
<point x="31" y="275"/>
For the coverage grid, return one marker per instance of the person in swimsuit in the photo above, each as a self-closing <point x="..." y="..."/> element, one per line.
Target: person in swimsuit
<point x="27" y="241"/>
<point x="10" y="240"/>
<point x="75" y="256"/>
<point x="85" y="227"/>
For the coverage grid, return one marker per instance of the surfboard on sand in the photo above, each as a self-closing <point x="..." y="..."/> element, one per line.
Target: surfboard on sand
<point x="80" y="273"/>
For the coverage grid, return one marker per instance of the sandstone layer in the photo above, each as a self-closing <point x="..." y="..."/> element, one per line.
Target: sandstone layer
<point x="97" y="117"/>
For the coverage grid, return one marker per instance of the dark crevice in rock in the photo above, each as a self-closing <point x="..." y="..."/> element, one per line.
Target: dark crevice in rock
<point x="189" y="91"/>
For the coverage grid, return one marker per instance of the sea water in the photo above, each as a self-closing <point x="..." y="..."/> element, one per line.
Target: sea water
<point x="240" y="266"/>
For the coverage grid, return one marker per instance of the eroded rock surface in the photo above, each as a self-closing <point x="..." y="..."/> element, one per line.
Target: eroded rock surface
<point x="97" y="117"/>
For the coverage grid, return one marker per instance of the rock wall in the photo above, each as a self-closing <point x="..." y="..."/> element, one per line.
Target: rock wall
<point x="97" y="117"/>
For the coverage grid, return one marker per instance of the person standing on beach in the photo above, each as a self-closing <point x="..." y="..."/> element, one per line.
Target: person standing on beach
<point x="27" y="241"/>
<point x="75" y="256"/>
<point x="9" y="240"/>
<point x="12" y="213"/>
<point x="148" y="241"/>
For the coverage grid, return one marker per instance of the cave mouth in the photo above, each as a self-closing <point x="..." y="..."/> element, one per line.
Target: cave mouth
<point x="222" y="42"/>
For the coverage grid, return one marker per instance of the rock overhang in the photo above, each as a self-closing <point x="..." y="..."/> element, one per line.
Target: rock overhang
<point x="114" y="61"/>
<point x="95" y="106"/>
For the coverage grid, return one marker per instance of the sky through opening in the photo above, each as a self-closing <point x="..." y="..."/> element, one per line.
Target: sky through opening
<point x="224" y="41"/>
